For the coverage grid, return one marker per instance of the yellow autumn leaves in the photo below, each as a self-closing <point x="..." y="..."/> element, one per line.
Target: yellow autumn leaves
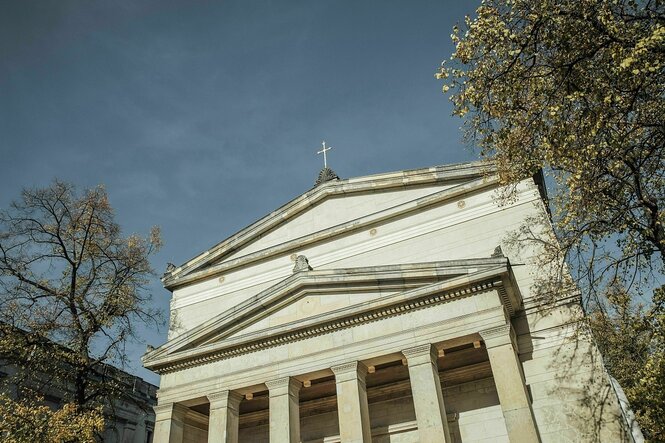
<point x="30" y="421"/>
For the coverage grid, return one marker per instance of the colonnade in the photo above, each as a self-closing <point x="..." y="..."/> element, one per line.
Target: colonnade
<point x="352" y="405"/>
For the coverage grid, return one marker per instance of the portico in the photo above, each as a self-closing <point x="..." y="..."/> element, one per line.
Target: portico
<point x="399" y="343"/>
<point x="423" y="385"/>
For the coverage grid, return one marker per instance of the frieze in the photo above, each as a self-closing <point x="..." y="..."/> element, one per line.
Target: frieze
<point x="328" y="327"/>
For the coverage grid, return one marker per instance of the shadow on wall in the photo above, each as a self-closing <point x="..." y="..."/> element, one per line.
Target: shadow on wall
<point x="581" y="383"/>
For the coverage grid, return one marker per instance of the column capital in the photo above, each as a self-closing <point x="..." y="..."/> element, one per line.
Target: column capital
<point x="498" y="336"/>
<point x="283" y="386"/>
<point x="420" y="354"/>
<point x="350" y="370"/>
<point x="224" y="399"/>
<point x="167" y="411"/>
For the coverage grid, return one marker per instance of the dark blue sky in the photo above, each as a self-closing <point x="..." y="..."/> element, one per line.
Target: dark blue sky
<point x="201" y="117"/>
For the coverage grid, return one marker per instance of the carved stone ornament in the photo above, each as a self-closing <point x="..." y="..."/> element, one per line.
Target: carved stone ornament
<point x="498" y="253"/>
<point x="225" y="399"/>
<point x="358" y="369"/>
<point x="302" y="264"/>
<point x="326" y="175"/>
<point x="170" y="267"/>
<point x="284" y="385"/>
<point x="426" y="350"/>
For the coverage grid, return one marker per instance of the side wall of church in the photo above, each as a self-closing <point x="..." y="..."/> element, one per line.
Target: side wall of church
<point x="573" y="399"/>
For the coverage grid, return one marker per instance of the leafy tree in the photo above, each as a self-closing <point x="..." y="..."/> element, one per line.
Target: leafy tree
<point x="575" y="87"/>
<point x="72" y="292"/>
<point x="28" y="421"/>
<point x="632" y="341"/>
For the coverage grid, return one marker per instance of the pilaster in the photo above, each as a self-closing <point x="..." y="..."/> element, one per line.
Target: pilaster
<point x="284" y="410"/>
<point x="352" y="406"/>
<point x="427" y="395"/>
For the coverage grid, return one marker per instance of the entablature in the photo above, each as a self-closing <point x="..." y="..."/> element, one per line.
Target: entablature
<point x="420" y="285"/>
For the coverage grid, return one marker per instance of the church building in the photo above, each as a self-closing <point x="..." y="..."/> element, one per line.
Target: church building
<point x="384" y="308"/>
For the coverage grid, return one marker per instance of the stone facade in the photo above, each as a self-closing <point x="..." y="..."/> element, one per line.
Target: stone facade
<point x="386" y="308"/>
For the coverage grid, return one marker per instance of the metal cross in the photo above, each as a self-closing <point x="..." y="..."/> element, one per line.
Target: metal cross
<point x="323" y="151"/>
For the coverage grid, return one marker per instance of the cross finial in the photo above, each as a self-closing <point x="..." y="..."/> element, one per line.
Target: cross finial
<point x="323" y="151"/>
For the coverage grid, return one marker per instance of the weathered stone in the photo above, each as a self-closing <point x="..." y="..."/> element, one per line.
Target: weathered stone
<point x="326" y="175"/>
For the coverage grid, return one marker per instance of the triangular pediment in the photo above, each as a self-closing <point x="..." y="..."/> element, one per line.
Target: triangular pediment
<point x="348" y="293"/>
<point x="317" y="216"/>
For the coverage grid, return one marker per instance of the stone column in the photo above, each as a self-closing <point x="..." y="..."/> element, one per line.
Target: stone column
<point x="352" y="407"/>
<point x="224" y="417"/>
<point x="427" y="394"/>
<point x="140" y="435"/>
<point x="509" y="381"/>
<point x="169" y="423"/>
<point x="284" y="410"/>
<point x="129" y="432"/>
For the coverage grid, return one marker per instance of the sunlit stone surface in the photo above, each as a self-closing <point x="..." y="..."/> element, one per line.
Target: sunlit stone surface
<point x="387" y="307"/>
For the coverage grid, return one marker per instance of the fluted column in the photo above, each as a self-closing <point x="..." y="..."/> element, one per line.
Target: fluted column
<point x="224" y="417"/>
<point x="169" y="423"/>
<point x="510" y="385"/>
<point x="427" y="395"/>
<point x="352" y="406"/>
<point x="284" y="412"/>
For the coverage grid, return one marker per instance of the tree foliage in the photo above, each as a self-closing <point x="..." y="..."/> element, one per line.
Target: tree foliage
<point x="632" y="341"/>
<point x="29" y="421"/>
<point x="575" y="87"/>
<point x="72" y="291"/>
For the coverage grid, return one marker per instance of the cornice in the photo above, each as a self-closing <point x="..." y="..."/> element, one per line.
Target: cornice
<point x="421" y="298"/>
<point x="400" y="277"/>
<point x="479" y="172"/>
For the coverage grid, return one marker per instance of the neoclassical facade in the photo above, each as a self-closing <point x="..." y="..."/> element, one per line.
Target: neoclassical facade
<point x="385" y="308"/>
